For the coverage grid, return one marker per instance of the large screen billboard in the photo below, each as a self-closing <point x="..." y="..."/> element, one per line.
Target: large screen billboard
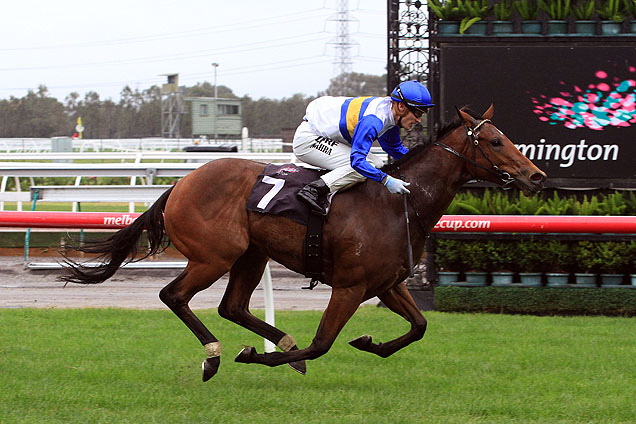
<point x="570" y="107"/>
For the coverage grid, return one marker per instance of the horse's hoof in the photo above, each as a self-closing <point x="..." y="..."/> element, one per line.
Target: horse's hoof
<point x="245" y="355"/>
<point x="210" y="367"/>
<point x="362" y="342"/>
<point x="299" y="366"/>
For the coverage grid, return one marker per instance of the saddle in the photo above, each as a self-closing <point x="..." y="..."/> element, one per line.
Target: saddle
<point x="274" y="192"/>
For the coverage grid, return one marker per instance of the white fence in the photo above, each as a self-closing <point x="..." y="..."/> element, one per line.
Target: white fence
<point x="40" y="145"/>
<point x="93" y="166"/>
<point x="143" y="164"/>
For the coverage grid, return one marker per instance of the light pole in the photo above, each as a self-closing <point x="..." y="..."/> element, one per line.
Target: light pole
<point x="216" y="93"/>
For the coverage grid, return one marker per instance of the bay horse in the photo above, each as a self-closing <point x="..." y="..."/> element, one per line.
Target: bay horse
<point x="364" y="238"/>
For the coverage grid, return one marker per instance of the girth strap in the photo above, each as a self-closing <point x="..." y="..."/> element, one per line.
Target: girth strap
<point x="313" y="249"/>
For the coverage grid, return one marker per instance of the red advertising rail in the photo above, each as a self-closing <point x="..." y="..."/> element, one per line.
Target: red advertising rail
<point x="101" y="220"/>
<point x="448" y="223"/>
<point x="536" y="224"/>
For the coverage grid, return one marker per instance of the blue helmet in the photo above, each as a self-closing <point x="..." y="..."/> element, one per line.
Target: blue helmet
<point x="414" y="95"/>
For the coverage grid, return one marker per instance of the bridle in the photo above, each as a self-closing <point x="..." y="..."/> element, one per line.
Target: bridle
<point x="473" y="135"/>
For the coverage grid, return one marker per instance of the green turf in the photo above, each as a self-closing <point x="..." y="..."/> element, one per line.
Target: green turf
<point x="113" y="366"/>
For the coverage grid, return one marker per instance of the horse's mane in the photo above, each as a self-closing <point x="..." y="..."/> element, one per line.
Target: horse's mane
<point x="445" y="129"/>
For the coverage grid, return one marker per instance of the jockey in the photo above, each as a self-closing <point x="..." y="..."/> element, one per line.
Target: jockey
<point x="337" y="133"/>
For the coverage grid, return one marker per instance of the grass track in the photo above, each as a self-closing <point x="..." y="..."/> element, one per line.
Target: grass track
<point x="110" y="365"/>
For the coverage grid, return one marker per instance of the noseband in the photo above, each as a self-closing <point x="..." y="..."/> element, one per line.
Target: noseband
<point x="473" y="135"/>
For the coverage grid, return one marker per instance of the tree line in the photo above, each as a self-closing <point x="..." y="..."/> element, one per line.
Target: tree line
<point x="137" y="114"/>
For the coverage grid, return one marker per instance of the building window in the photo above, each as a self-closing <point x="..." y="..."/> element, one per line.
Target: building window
<point x="228" y="109"/>
<point x="203" y="110"/>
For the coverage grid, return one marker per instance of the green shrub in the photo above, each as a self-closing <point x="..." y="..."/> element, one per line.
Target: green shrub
<point x="611" y="10"/>
<point x="470" y="204"/>
<point x="502" y="10"/>
<point x="507" y="203"/>
<point x="631" y="254"/>
<point x="448" y="255"/>
<point x="475" y="255"/>
<point x="537" y="257"/>
<point x="536" y="301"/>
<point x="630" y="201"/>
<point x="446" y="10"/>
<point x="475" y="8"/>
<point x="586" y="257"/>
<point x="557" y="205"/>
<point x="612" y="257"/>
<point x="528" y="9"/>
<point x="501" y="254"/>
<point x="472" y="11"/>
<point x="556" y="9"/>
<point x="531" y="256"/>
<point x="561" y="256"/>
<point x="584" y="10"/>
<point x="612" y="204"/>
<point x="530" y="205"/>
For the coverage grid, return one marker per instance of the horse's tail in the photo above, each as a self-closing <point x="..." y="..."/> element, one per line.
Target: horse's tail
<point x="115" y="249"/>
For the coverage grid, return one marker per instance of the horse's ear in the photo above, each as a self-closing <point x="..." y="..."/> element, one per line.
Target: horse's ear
<point x="468" y="120"/>
<point x="491" y="110"/>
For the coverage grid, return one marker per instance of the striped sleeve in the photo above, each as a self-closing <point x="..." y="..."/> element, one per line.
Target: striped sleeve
<point x="366" y="131"/>
<point x="391" y="143"/>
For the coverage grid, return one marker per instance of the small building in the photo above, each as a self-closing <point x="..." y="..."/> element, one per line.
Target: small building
<point x="216" y="117"/>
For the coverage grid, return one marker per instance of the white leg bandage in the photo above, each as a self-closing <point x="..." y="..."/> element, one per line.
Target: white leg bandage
<point x="213" y="349"/>
<point x="286" y="343"/>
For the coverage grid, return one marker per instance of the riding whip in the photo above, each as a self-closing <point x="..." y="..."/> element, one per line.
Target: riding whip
<point x="408" y="237"/>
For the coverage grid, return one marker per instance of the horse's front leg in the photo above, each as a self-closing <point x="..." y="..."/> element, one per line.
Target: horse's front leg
<point x="342" y="305"/>
<point x="399" y="300"/>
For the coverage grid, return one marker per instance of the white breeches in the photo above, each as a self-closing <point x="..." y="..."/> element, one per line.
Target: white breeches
<point x="331" y="155"/>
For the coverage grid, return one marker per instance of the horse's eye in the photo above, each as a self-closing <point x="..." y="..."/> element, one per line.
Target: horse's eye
<point x="495" y="142"/>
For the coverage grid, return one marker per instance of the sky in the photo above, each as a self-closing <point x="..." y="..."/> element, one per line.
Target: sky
<point x="272" y="49"/>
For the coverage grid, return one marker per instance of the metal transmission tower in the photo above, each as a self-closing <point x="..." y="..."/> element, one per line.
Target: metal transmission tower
<point x="343" y="45"/>
<point x="171" y="107"/>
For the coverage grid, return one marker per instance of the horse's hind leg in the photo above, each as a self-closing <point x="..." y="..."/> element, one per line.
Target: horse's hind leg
<point x="342" y="305"/>
<point x="244" y="278"/>
<point x="399" y="300"/>
<point x="177" y="295"/>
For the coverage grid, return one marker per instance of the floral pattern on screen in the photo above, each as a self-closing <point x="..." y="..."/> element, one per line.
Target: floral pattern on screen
<point x="606" y="101"/>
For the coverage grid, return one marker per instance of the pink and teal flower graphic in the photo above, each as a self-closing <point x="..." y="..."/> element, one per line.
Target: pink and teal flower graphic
<point x="607" y="101"/>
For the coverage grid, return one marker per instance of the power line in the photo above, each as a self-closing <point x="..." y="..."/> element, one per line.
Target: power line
<point x="189" y="77"/>
<point x="181" y="34"/>
<point x="268" y="66"/>
<point x="200" y="53"/>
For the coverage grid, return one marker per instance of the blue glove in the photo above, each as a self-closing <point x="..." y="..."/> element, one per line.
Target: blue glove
<point x="395" y="185"/>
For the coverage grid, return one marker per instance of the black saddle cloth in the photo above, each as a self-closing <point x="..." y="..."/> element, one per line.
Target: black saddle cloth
<point x="275" y="191"/>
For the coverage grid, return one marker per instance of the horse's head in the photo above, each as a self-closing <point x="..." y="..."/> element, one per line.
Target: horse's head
<point x="493" y="157"/>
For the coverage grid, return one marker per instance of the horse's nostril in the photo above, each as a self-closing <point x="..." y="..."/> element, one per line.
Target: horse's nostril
<point x="538" y="177"/>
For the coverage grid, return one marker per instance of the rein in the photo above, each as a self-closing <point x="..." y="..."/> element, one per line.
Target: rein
<point x="417" y="215"/>
<point x="408" y="226"/>
<point x="473" y="135"/>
